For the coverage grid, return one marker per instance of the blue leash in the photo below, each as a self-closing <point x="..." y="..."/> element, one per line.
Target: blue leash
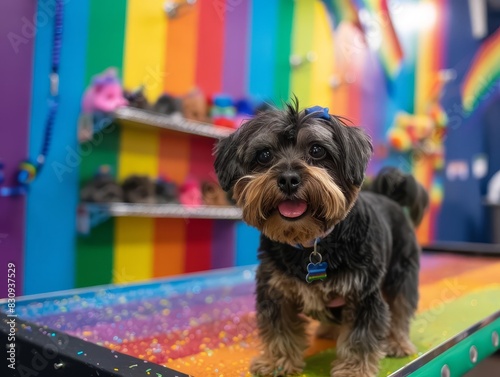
<point x="28" y="170"/>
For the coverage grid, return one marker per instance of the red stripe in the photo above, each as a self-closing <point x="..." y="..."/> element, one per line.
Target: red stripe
<point x="199" y="233"/>
<point x="201" y="164"/>
<point x="210" y="46"/>
<point x="198" y="249"/>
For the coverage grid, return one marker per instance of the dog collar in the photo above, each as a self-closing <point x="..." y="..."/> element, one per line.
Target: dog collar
<point x="313" y="243"/>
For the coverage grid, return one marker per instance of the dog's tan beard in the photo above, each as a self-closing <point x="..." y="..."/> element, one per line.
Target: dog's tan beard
<point x="258" y="196"/>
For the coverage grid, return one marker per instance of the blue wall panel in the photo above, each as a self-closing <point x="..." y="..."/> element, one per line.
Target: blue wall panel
<point x="247" y="243"/>
<point x="53" y="198"/>
<point x="262" y="46"/>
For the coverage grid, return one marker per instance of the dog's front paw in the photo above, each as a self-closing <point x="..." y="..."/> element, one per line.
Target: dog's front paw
<point x="264" y="366"/>
<point x="399" y="348"/>
<point x="350" y="369"/>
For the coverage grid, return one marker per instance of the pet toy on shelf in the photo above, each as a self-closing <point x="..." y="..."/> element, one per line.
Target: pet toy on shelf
<point x="194" y="106"/>
<point x="139" y="189"/>
<point x="213" y="194"/>
<point x="190" y="193"/>
<point x="136" y="98"/>
<point x="104" y="96"/>
<point x="166" y="191"/>
<point x="167" y="104"/>
<point x="103" y="188"/>
<point x="223" y="111"/>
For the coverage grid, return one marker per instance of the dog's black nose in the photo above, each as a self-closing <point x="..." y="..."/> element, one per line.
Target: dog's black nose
<point x="289" y="182"/>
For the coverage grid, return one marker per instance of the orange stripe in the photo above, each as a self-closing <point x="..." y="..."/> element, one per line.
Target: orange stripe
<point x="170" y="234"/>
<point x="182" y="39"/>
<point x="174" y="156"/>
<point x="169" y="247"/>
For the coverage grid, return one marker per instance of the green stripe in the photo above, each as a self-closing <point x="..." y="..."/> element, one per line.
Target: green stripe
<point x="303" y="31"/>
<point x="284" y="32"/>
<point x="107" y="22"/>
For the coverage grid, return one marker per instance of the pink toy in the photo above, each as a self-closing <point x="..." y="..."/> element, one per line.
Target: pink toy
<point x="105" y="94"/>
<point x="190" y="193"/>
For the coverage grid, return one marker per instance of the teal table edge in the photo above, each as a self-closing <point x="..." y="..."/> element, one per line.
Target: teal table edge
<point x="459" y="354"/>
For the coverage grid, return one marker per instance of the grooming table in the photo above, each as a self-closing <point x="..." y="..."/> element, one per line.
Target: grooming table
<point x="204" y="325"/>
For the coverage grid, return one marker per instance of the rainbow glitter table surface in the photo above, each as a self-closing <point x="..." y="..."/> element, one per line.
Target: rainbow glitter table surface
<point x="204" y="324"/>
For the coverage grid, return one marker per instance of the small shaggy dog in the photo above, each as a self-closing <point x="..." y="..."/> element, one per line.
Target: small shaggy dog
<point x="347" y="258"/>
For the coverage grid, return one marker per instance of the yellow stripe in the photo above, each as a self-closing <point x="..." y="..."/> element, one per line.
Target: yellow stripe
<point x="302" y="37"/>
<point x="144" y="61"/>
<point x="134" y="237"/>
<point x="322" y="69"/>
<point x="144" y="64"/>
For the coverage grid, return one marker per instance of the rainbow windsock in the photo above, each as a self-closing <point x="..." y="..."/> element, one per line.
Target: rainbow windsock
<point x="342" y="10"/>
<point x="483" y="72"/>
<point x="390" y="51"/>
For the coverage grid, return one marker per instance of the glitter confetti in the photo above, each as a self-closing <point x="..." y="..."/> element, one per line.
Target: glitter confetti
<point x="204" y="327"/>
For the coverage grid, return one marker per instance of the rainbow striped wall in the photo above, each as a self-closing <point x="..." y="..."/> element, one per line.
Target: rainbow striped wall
<point x="218" y="46"/>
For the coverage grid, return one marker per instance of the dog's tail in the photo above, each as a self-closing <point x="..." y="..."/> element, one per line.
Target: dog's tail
<point x="404" y="189"/>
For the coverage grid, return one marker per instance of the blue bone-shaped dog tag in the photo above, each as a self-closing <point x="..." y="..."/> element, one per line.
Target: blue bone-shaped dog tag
<point x="316" y="271"/>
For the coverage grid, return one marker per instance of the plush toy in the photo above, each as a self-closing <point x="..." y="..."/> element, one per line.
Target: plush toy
<point x="194" y="106"/>
<point x="102" y="188"/>
<point x="223" y="111"/>
<point x="166" y="191"/>
<point x="137" y="98"/>
<point x="168" y="104"/>
<point x="139" y="189"/>
<point x="213" y="195"/>
<point x="190" y="193"/>
<point x="105" y="94"/>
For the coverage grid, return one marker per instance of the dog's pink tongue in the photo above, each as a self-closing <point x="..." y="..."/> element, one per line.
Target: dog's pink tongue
<point x="292" y="208"/>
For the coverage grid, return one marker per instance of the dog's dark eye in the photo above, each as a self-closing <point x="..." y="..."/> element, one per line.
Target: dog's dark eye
<point x="317" y="152"/>
<point x="264" y="157"/>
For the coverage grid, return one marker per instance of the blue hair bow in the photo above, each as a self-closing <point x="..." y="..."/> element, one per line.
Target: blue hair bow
<point x="319" y="112"/>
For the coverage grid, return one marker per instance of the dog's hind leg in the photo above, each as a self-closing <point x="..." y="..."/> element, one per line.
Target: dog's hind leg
<point x="403" y="306"/>
<point x="398" y="342"/>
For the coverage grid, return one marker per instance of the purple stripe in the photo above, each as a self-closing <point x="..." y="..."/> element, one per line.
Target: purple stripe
<point x="16" y="50"/>
<point x="235" y="49"/>
<point x="223" y="244"/>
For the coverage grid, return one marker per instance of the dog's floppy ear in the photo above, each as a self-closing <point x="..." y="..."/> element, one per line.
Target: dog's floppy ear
<point x="227" y="166"/>
<point x="357" y="150"/>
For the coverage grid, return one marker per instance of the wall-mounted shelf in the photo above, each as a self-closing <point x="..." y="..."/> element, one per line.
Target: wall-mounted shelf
<point x="92" y="214"/>
<point x="169" y="122"/>
<point x="134" y="117"/>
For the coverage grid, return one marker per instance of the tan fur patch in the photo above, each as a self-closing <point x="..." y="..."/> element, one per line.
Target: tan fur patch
<point x="258" y="196"/>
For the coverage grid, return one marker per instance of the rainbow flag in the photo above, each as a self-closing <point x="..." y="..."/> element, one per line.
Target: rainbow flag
<point x="390" y="52"/>
<point x="483" y="73"/>
<point x="342" y="10"/>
